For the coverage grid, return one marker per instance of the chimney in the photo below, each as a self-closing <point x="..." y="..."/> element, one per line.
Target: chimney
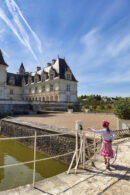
<point x="48" y="64"/>
<point x="38" y="68"/>
<point x="53" y="61"/>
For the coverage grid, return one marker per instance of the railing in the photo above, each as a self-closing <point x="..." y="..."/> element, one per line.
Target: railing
<point x="122" y="133"/>
<point x="79" y="154"/>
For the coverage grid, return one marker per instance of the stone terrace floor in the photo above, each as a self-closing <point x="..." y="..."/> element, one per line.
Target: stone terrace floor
<point x="94" y="180"/>
<point x="66" y="120"/>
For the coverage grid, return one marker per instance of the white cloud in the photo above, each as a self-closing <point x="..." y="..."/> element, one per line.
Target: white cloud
<point x="119" y="45"/>
<point x="103" y="60"/>
<point x="21" y="28"/>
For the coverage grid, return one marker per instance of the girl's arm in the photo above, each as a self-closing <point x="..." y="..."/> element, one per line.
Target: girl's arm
<point x="99" y="131"/>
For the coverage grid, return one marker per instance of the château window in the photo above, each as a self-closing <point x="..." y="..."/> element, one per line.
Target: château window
<point x="51" y="76"/>
<point x="30" y="90"/>
<point x="67" y="87"/>
<point x="51" y="87"/>
<point x="11" y="92"/>
<point x="43" y="89"/>
<point x="35" y="89"/>
<point x="68" y="98"/>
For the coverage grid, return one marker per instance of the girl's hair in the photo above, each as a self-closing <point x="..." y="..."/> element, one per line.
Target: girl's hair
<point x="108" y="130"/>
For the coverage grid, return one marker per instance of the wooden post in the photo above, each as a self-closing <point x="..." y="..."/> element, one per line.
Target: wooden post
<point x="76" y="148"/>
<point x="84" y="139"/>
<point x="81" y="140"/>
<point x="94" y="148"/>
<point x="81" y="145"/>
<point x="88" y="148"/>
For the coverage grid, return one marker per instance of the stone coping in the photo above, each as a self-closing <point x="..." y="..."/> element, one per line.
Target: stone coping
<point x="51" y="128"/>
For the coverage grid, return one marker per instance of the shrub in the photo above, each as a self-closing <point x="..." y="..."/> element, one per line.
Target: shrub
<point x="122" y="108"/>
<point x="108" y="106"/>
<point x="100" y="107"/>
<point x="91" y="107"/>
<point x="70" y="106"/>
<point x="86" y="107"/>
<point x="94" y="107"/>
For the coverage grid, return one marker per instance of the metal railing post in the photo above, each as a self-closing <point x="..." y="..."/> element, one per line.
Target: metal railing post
<point x="34" y="164"/>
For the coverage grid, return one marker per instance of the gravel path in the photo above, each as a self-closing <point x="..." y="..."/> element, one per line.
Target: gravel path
<point x="67" y="120"/>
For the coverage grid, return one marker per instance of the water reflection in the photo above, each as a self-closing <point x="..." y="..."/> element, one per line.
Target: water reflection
<point x="1" y="163"/>
<point x="12" y="152"/>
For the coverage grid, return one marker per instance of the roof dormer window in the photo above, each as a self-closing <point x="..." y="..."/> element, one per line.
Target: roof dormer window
<point x="29" y="80"/>
<point x="11" y="80"/>
<point x="36" y="79"/>
<point x="68" y="77"/>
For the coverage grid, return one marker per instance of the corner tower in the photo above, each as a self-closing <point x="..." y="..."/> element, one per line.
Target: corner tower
<point x="3" y="76"/>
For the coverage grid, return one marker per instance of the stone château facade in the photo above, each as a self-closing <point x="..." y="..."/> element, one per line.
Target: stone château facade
<point x="54" y="83"/>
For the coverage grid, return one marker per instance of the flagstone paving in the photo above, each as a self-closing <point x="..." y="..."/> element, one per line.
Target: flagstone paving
<point x="94" y="180"/>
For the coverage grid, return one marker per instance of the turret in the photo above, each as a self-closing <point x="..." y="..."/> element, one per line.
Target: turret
<point x="21" y="69"/>
<point x="2" y="61"/>
<point x="3" y="76"/>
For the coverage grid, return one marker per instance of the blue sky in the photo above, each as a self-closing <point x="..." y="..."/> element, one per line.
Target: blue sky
<point x="92" y="35"/>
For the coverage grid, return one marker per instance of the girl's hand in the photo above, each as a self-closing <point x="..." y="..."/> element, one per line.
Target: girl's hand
<point x="89" y="128"/>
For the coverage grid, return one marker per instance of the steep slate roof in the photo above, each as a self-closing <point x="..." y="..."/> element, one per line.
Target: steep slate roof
<point x="60" y="67"/>
<point x="18" y="78"/>
<point x="2" y="61"/>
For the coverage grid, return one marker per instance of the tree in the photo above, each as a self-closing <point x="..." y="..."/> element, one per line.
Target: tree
<point x="122" y="108"/>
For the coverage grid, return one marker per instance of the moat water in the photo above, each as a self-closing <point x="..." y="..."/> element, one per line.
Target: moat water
<point x="12" y="152"/>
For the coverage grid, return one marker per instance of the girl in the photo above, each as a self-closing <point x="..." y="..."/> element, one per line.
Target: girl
<point x="108" y="136"/>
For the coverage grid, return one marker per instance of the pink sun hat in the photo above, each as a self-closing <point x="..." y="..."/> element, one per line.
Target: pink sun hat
<point x="105" y="124"/>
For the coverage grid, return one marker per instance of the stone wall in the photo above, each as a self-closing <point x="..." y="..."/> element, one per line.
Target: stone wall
<point x="9" y="107"/>
<point x="51" y="146"/>
<point x="55" y="145"/>
<point x="13" y="107"/>
<point x="123" y="124"/>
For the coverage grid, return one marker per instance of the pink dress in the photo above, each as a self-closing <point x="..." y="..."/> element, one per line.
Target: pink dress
<point x="106" y="149"/>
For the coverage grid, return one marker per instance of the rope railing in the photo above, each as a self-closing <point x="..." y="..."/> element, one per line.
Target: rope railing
<point x="33" y="136"/>
<point x="36" y="160"/>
